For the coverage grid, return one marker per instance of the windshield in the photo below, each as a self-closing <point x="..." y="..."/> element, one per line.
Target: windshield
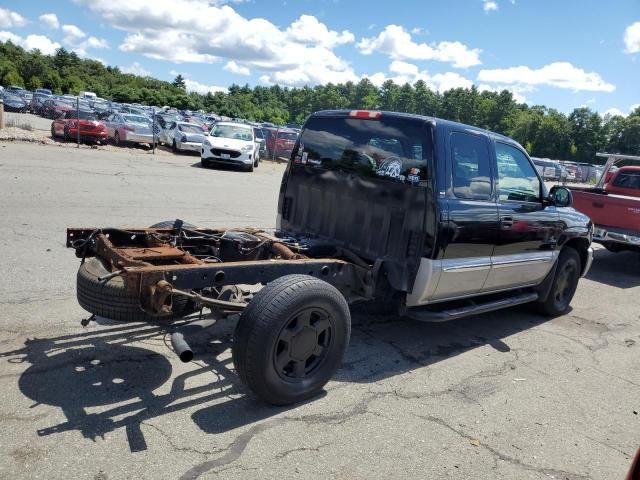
<point x="390" y="148"/>
<point x="258" y="133"/>
<point x="232" y="131"/>
<point x="82" y="116"/>
<point x="288" y="135"/>
<point x="189" y="128"/>
<point x="136" y="119"/>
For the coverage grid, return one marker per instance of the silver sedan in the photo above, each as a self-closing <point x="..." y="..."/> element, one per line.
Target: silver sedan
<point x="123" y="128"/>
<point x="183" y="136"/>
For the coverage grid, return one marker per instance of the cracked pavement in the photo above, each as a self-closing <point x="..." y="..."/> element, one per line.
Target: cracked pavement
<point x="502" y="395"/>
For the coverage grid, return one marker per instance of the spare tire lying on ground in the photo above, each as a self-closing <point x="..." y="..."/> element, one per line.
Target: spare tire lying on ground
<point x="110" y="299"/>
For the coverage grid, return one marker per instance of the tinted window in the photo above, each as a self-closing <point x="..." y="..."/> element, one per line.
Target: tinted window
<point x="517" y="179"/>
<point x="258" y="133"/>
<point x="190" y="128"/>
<point x="471" y="166"/>
<point x="627" y="180"/>
<point x="391" y="148"/>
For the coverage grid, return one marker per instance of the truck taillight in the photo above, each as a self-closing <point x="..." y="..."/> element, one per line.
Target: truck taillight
<point x="369" y="114"/>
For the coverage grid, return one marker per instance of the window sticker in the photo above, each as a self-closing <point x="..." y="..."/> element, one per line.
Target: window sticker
<point x="390" y="167"/>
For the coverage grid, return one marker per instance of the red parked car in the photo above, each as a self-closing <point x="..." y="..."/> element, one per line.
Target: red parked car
<point x="90" y="128"/>
<point x="280" y="142"/>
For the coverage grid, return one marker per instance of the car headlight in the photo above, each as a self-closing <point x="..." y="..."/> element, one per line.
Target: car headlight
<point x="247" y="148"/>
<point x="206" y="142"/>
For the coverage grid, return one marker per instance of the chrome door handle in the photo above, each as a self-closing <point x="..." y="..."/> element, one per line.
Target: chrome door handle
<point x="506" y="222"/>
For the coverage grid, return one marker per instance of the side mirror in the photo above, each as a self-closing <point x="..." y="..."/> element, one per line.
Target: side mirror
<point x="560" y="196"/>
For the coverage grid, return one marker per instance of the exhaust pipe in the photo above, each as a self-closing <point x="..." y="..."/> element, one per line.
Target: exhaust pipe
<point x="181" y="347"/>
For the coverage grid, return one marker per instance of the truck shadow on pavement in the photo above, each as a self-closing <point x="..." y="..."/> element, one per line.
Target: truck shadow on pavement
<point x="104" y="379"/>
<point x="620" y="270"/>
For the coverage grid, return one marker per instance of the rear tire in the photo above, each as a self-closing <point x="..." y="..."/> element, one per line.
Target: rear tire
<point x="564" y="284"/>
<point x="112" y="300"/>
<point x="53" y="132"/>
<point x="291" y="339"/>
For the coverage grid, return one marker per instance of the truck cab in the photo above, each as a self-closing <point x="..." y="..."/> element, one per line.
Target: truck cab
<point x="443" y="211"/>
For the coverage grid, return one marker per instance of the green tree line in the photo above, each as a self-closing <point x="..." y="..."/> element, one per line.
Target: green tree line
<point x="544" y="132"/>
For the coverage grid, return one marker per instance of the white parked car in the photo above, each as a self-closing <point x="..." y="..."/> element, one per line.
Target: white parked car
<point x="231" y="143"/>
<point x="183" y="136"/>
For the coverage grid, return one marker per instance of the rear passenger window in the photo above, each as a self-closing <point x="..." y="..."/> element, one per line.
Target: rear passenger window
<point x="471" y="166"/>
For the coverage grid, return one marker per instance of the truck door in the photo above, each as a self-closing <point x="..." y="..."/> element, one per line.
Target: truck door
<point x="471" y="226"/>
<point x="526" y="247"/>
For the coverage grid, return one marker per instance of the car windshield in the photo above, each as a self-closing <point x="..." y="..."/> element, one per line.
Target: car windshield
<point x="190" y="128"/>
<point x="258" y="133"/>
<point x="232" y="131"/>
<point x="136" y="119"/>
<point x="392" y="148"/>
<point x="12" y="97"/>
<point x="83" y="115"/>
<point x="288" y="135"/>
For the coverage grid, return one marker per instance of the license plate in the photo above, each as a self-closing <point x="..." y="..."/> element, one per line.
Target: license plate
<point x="225" y="156"/>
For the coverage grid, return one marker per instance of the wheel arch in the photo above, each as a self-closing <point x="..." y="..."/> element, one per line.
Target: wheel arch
<point x="580" y="245"/>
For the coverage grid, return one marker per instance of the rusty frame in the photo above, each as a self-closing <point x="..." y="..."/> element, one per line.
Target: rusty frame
<point x="154" y="283"/>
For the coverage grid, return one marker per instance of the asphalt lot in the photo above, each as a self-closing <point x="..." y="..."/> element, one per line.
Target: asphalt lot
<point x="502" y="395"/>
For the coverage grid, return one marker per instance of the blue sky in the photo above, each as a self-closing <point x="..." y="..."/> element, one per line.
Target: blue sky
<point x="563" y="54"/>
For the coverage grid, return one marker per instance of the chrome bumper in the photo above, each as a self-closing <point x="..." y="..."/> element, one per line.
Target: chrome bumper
<point x="589" y="261"/>
<point x="602" y="235"/>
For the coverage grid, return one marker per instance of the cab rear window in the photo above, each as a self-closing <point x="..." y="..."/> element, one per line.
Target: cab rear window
<point x="627" y="180"/>
<point x="396" y="149"/>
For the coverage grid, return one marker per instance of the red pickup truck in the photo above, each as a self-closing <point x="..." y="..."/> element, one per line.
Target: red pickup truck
<point x="614" y="205"/>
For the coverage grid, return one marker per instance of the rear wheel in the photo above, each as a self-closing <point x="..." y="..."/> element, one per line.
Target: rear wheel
<point x="53" y="131"/>
<point x="66" y="135"/>
<point x="291" y="339"/>
<point x="174" y="147"/>
<point x="564" y="284"/>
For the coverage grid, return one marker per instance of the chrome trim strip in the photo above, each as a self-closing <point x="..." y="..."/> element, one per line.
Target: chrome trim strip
<point x="473" y="266"/>
<point x="521" y="260"/>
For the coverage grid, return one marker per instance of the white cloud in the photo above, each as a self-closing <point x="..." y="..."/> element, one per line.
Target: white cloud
<point x="403" y="72"/>
<point x="31" y="42"/>
<point x="309" y="31"/>
<point x="233" y="67"/>
<point x="10" y="19"/>
<point x="558" y="74"/>
<point x="614" y="112"/>
<point x="632" y="38"/>
<point x="136" y="69"/>
<point x="489" y="6"/>
<point x="50" y="20"/>
<point x="72" y="33"/>
<point x="397" y="43"/>
<point x="73" y="37"/>
<point x="200" y="31"/>
<point x="201" y="88"/>
<point x="516" y="91"/>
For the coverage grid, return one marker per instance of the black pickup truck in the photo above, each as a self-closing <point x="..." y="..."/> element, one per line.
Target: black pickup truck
<point x="430" y="219"/>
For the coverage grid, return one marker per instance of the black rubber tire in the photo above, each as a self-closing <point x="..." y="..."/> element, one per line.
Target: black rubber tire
<point x="249" y="168"/>
<point x="204" y="163"/>
<point x="558" y="303"/>
<point x="66" y="135"/>
<point x="174" y="147"/>
<point x="169" y="224"/>
<point x="116" y="139"/>
<point x="53" y="132"/>
<point x="111" y="300"/>
<point x="258" y="332"/>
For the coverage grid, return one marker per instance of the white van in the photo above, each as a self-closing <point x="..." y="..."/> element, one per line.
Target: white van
<point x="88" y="95"/>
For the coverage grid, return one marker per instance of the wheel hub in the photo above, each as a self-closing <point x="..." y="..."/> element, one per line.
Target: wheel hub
<point x="303" y="344"/>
